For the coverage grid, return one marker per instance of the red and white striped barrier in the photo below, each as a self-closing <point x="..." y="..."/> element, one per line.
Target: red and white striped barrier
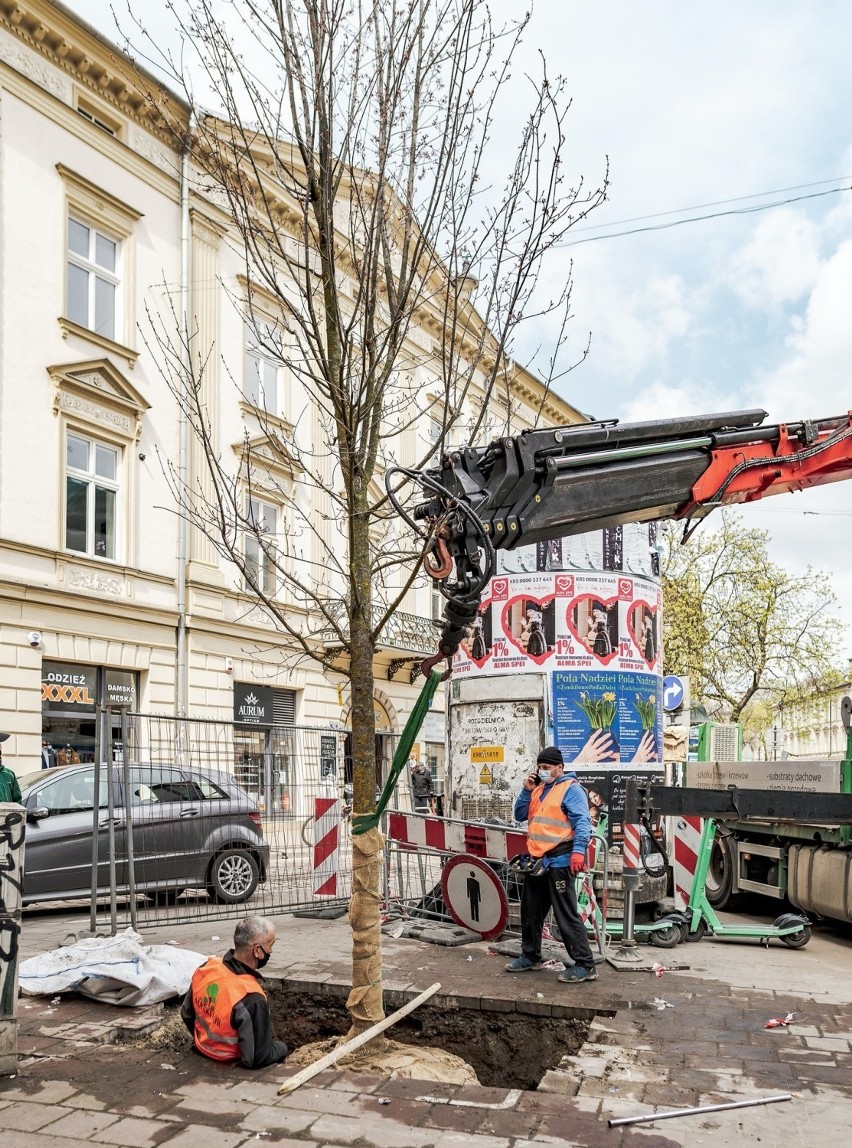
<point x="445" y="836"/>
<point x="687" y="839"/>
<point x="630" y="848"/>
<point x="327" y="822"/>
<point x="587" y="886"/>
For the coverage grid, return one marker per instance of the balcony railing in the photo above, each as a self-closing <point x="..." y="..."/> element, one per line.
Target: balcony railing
<point x="409" y="633"/>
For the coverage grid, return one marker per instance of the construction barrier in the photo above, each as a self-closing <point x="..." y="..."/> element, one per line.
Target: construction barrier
<point x="420" y="848"/>
<point x="493" y="843"/>
<point x="326" y="846"/>
<point x="687" y="840"/>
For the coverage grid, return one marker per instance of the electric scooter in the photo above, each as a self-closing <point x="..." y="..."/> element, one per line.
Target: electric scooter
<point x="791" y="929"/>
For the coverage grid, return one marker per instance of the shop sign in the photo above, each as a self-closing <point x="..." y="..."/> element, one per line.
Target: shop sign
<point x="434" y="726"/>
<point x="120" y="688"/>
<point x="328" y="757"/>
<point x="252" y="704"/>
<point x="65" y="686"/>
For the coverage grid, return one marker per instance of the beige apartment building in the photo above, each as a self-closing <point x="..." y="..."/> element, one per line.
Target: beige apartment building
<point x="102" y="600"/>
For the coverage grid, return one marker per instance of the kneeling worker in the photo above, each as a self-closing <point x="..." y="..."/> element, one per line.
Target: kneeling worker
<point x="226" y="1009"/>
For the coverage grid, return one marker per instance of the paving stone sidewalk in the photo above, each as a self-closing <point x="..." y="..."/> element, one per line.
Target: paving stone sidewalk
<point x="80" y="1082"/>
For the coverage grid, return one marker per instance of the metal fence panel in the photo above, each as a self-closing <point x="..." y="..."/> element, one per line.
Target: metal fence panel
<point x="201" y="848"/>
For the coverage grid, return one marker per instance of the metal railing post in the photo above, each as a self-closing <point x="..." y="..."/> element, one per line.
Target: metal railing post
<point x="96" y="821"/>
<point x="128" y="812"/>
<point x="630" y="879"/>
<point x="106" y="760"/>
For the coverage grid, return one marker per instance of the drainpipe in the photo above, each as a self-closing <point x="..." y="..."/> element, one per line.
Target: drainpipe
<point x="181" y="693"/>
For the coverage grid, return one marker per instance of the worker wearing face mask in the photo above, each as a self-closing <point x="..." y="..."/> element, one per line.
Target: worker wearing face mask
<point x="556" y="809"/>
<point x="226" y="1008"/>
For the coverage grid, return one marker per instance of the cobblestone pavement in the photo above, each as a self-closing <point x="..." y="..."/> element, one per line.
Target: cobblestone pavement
<point x="686" y="1038"/>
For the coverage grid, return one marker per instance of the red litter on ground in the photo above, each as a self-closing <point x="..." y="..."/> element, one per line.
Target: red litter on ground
<point x="657" y="969"/>
<point x="777" y="1022"/>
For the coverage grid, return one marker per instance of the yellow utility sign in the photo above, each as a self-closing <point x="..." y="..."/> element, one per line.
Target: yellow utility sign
<point x="486" y="753"/>
<point x="485" y="776"/>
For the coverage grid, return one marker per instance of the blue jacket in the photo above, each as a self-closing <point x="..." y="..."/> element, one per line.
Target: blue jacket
<point x="575" y="806"/>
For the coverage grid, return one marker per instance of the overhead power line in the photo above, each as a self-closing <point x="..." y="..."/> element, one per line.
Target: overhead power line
<point x="698" y="218"/>
<point x="716" y="203"/>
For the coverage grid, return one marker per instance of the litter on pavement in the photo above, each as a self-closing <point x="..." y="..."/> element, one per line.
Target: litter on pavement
<point x="777" y="1022"/>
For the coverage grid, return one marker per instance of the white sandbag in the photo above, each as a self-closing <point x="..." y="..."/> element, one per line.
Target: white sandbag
<point x="118" y="970"/>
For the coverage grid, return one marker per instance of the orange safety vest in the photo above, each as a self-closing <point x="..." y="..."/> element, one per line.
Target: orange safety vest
<point x="215" y="991"/>
<point x="547" y="825"/>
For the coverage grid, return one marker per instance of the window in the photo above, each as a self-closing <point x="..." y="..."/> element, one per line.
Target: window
<point x="94" y="118"/>
<point x="97" y="113"/>
<point x="93" y="278"/>
<point x="260" y="547"/>
<point x="73" y="793"/>
<point x="154" y="785"/>
<point x="207" y="790"/>
<point x="261" y="384"/>
<point x="91" y="490"/>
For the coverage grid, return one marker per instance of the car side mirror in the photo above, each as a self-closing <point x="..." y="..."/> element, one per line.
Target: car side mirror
<point x="38" y="814"/>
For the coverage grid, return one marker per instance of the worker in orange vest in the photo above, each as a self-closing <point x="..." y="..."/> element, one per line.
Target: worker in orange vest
<point x="226" y="1008"/>
<point x="556" y="808"/>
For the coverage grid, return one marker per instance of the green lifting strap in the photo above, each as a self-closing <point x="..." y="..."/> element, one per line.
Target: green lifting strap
<point x="361" y="822"/>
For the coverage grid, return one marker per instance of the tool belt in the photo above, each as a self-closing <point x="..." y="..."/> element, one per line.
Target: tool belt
<point x="526" y="866"/>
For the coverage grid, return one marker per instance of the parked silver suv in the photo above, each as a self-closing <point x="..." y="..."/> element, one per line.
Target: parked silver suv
<point x="191" y="828"/>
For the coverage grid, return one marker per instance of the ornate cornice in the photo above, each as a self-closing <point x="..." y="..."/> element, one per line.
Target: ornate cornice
<point x="78" y="52"/>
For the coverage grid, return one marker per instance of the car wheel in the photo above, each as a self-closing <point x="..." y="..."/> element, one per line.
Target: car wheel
<point x="162" y="896"/>
<point x="233" y="876"/>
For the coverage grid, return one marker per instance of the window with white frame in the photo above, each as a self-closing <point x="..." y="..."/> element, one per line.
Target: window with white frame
<point x="260" y="546"/>
<point x="262" y="369"/>
<point x="93" y="278"/>
<point x="91" y="496"/>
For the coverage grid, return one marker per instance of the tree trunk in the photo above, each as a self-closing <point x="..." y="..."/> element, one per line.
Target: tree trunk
<point x="365" y="1000"/>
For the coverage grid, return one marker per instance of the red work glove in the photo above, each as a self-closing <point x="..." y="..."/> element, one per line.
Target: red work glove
<point x="578" y="864"/>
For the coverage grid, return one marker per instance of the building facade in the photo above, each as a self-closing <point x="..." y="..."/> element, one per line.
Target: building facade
<point x="105" y="597"/>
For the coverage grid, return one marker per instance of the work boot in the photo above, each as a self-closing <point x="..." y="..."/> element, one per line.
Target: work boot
<point x="523" y="964"/>
<point x="578" y="973"/>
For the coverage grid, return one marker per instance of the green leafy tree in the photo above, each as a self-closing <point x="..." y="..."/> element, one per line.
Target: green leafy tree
<point x="750" y="635"/>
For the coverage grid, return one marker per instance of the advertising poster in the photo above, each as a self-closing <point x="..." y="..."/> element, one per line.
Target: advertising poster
<point x="561" y="621"/>
<point x="607" y="791"/>
<point x="607" y="716"/>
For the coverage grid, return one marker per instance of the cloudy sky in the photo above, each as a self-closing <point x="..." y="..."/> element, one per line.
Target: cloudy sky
<point x="706" y="108"/>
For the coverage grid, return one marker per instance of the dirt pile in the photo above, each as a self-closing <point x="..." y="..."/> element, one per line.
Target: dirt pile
<point x="392" y="1059"/>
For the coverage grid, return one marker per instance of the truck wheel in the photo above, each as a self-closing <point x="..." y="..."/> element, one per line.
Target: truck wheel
<point x="720" y="875"/>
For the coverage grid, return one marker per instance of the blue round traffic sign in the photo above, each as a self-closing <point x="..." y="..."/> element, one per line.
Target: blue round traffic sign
<point x="673" y="692"/>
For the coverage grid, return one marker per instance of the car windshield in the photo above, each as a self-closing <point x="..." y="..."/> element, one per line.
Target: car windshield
<point x="25" y="780"/>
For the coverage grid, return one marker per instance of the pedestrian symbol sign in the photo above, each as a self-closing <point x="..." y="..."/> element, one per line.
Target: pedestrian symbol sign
<point x="474" y="896"/>
<point x="485" y="775"/>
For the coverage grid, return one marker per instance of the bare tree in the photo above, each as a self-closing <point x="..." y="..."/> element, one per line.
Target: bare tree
<point x="352" y="149"/>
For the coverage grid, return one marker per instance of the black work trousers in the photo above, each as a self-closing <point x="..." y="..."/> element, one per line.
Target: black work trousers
<point x="554" y="888"/>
